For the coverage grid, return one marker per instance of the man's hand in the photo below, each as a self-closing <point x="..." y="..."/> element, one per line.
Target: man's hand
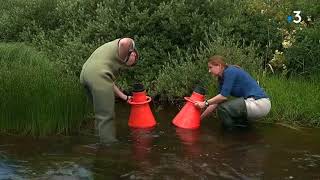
<point x="128" y="99"/>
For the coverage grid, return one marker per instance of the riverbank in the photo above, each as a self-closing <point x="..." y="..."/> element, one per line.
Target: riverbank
<point x="38" y="99"/>
<point x="42" y="53"/>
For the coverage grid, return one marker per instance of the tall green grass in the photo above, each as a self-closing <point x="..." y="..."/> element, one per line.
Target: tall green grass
<point x="294" y="101"/>
<point x="35" y="97"/>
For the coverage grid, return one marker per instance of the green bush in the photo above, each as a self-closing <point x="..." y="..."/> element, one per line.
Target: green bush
<point x="36" y="98"/>
<point x="303" y="56"/>
<point x="159" y="29"/>
<point x="178" y="78"/>
<point x="68" y="31"/>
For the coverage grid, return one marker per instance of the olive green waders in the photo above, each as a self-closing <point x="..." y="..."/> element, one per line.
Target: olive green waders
<point x="233" y="113"/>
<point x="102" y="97"/>
<point x="97" y="76"/>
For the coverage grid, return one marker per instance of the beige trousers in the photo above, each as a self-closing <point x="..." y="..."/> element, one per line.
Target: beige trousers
<point x="257" y="108"/>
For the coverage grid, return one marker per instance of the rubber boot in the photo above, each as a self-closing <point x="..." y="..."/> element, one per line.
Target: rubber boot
<point x="233" y="113"/>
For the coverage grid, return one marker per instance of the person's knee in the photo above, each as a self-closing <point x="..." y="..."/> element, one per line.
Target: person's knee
<point x="220" y="111"/>
<point x="221" y="108"/>
<point x="224" y="116"/>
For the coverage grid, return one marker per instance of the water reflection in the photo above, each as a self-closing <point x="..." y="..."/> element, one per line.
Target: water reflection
<point x="244" y="154"/>
<point x="142" y="145"/>
<point x="68" y="170"/>
<point x="166" y="152"/>
<point x="190" y="140"/>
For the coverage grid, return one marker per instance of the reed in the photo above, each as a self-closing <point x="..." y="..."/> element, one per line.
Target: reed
<point x="36" y="97"/>
<point x="295" y="101"/>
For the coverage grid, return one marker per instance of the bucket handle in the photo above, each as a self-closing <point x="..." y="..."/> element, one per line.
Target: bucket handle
<point x="190" y="100"/>
<point x="137" y="103"/>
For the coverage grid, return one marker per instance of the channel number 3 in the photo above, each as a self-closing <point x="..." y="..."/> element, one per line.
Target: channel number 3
<point x="297" y="17"/>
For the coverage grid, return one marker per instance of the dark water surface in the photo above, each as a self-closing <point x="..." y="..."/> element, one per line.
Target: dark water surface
<point x="167" y="152"/>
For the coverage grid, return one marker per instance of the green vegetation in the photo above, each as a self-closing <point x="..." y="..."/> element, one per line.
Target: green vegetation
<point x="180" y="76"/>
<point x="35" y="97"/>
<point x="295" y="101"/>
<point x="174" y="37"/>
<point x="303" y="56"/>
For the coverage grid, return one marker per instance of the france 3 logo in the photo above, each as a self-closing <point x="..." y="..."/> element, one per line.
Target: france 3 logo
<point x="296" y="18"/>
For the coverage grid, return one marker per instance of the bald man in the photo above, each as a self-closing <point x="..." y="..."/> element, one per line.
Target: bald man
<point x="98" y="75"/>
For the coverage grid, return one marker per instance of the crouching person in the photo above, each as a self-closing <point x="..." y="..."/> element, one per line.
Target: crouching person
<point x="250" y="102"/>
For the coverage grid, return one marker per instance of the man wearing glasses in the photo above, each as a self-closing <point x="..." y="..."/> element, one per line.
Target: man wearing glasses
<point x="98" y="75"/>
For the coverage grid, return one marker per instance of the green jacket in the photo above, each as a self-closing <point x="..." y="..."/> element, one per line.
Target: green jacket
<point x="104" y="62"/>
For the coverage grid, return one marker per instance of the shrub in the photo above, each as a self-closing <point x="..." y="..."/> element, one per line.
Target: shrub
<point x="303" y="55"/>
<point x="183" y="74"/>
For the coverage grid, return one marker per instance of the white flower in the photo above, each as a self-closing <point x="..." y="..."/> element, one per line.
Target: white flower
<point x="286" y="44"/>
<point x="284" y="66"/>
<point x="277" y="52"/>
<point x="309" y="18"/>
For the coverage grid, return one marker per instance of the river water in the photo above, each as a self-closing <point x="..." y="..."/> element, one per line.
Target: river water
<point x="166" y="152"/>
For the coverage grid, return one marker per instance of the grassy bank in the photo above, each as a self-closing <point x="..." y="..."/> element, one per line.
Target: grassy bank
<point x="294" y="101"/>
<point x="36" y="98"/>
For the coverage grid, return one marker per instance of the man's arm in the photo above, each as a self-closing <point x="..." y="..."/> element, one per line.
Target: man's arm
<point x="119" y="93"/>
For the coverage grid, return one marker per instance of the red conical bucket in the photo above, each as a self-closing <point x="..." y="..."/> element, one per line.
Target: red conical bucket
<point x="189" y="115"/>
<point x="140" y="115"/>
